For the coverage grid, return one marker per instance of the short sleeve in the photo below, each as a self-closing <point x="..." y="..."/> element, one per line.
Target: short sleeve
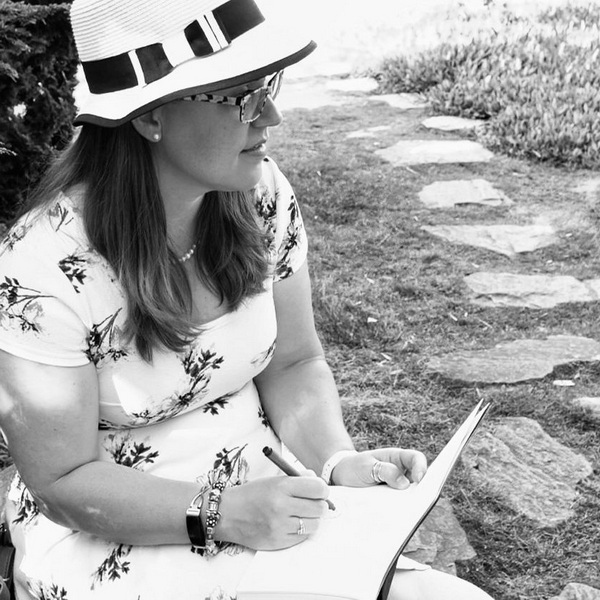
<point x="290" y="242"/>
<point x="39" y="309"/>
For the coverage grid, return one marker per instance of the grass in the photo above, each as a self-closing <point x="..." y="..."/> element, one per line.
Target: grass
<point x="389" y="296"/>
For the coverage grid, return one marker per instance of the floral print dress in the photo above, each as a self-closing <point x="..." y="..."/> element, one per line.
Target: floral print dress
<point x="186" y="416"/>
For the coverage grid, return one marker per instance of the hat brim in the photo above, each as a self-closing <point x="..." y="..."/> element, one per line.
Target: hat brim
<point x="255" y="55"/>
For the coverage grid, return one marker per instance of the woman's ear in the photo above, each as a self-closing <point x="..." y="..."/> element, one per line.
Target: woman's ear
<point x="148" y="126"/>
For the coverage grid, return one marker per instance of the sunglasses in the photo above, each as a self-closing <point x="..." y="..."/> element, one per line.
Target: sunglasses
<point x="251" y="103"/>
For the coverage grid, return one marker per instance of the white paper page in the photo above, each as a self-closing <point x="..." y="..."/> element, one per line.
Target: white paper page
<point x="350" y="554"/>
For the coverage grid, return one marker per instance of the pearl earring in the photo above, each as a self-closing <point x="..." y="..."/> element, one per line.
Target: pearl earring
<point x="156" y="137"/>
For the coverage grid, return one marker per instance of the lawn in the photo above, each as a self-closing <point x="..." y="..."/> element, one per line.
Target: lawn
<point x="388" y="296"/>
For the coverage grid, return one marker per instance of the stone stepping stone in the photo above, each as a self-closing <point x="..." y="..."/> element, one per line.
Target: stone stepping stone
<point x="447" y="123"/>
<point x="512" y="362"/>
<point x="517" y="462"/>
<point x="402" y="101"/>
<point x="369" y="132"/>
<point x="508" y="240"/>
<point x="440" y="540"/>
<point x="446" y="194"/>
<point x="590" y="404"/>
<point x="589" y="188"/>
<point x="313" y="93"/>
<point x="529" y="291"/>
<point x="420" y="152"/>
<point x="578" y="591"/>
<point x="353" y="85"/>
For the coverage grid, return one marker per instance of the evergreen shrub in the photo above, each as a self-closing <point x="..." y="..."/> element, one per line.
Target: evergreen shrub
<point x="536" y="82"/>
<point x="38" y="64"/>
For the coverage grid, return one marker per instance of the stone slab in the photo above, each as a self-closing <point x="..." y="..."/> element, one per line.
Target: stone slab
<point x="512" y="362"/>
<point x="589" y="404"/>
<point x="353" y="85"/>
<point x="529" y="291"/>
<point x="440" y="540"/>
<point x="401" y="101"/>
<point x="447" y="123"/>
<point x="578" y="591"/>
<point x="369" y="132"/>
<point x="518" y="463"/>
<point x="508" y="240"/>
<point x="312" y="94"/>
<point x="589" y="187"/>
<point x="446" y="194"/>
<point x="419" y="152"/>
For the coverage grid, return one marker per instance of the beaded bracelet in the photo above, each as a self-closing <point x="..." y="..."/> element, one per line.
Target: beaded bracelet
<point x="193" y="522"/>
<point x="212" y="516"/>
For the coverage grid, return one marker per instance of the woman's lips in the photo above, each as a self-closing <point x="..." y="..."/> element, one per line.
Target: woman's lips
<point x="260" y="148"/>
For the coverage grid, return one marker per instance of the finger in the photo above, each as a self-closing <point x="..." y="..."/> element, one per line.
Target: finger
<point x="308" y="473"/>
<point x="390" y="474"/>
<point x="414" y="464"/>
<point x="313" y="509"/>
<point x="307" y="487"/>
<point x="303" y="527"/>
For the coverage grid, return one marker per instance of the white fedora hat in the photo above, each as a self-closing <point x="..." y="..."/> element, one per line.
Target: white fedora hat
<point x="139" y="54"/>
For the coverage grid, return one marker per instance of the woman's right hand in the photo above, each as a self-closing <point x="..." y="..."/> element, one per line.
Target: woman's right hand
<point x="265" y="514"/>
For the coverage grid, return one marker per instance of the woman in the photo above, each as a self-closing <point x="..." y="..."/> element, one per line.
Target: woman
<point x="156" y="329"/>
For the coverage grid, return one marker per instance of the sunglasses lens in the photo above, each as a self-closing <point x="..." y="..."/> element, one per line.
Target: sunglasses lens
<point x="254" y="105"/>
<point x="255" y="102"/>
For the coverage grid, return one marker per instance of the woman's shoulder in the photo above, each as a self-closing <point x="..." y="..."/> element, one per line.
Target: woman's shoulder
<point x="47" y="232"/>
<point x="48" y="248"/>
<point x="278" y="207"/>
<point x="274" y="192"/>
<point x="273" y="179"/>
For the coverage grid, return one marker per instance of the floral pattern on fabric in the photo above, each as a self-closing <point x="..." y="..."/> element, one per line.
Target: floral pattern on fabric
<point x="26" y="508"/>
<point x="73" y="267"/>
<point x="291" y="241"/>
<point x="198" y="365"/>
<point x="14" y="236"/>
<point x="114" y="567"/>
<point x="48" y="592"/>
<point x="103" y="340"/>
<point x="125" y="451"/>
<point x="60" y="215"/>
<point x="20" y="304"/>
<point x="262" y="415"/>
<point x="219" y="594"/>
<point x="192" y="416"/>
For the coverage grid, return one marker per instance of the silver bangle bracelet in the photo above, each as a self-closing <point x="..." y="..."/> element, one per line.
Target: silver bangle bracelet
<point x="332" y="463"/>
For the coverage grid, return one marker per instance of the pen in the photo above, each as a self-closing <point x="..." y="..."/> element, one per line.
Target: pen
<point x="287" y="468"/>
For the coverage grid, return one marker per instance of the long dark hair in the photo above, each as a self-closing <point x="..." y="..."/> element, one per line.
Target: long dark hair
<point x="125" y="220"/>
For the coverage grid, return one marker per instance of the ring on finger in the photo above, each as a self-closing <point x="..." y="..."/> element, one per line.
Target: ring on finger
<point x="376" y="472"/>
<point x="301" y="528"/>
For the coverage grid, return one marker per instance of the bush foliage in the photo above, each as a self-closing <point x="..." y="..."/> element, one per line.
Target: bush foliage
<point x="536" y="81"/>
<point x="37" y="73"/>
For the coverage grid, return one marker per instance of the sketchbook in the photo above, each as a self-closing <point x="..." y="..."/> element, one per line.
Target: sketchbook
<point x="354" y="553"/>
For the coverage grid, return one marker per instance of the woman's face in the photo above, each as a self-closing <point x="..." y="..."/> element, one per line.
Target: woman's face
<point x="205" y="147"/>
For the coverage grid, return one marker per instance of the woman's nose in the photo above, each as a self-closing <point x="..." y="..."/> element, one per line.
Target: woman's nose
<point x="270" y="116"/>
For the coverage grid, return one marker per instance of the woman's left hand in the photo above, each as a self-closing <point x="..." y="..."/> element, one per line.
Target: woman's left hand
<point x="395" y="467"/>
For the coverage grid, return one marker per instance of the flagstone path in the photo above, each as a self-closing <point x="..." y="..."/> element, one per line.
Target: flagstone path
<point x="578" y="591"/>
<point x="446" y="194"/>
<point x="513" y="459"/>
<point x="503" y="239"/>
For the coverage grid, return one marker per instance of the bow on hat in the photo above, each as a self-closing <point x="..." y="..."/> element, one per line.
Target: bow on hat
<point x="208" y="34"/>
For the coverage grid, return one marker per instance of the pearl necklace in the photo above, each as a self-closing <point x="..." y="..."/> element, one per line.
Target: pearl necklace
<point x="188" y="254"/>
